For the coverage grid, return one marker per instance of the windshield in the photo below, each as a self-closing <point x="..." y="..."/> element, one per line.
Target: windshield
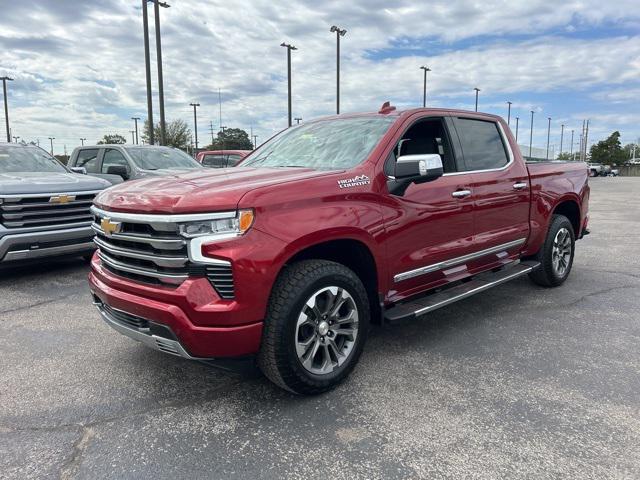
<point x="156" y="158"/>
<point x="27" y="159"/>
<point x="323" y="145"/>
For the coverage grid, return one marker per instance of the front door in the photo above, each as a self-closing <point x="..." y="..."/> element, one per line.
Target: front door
<point x="431" y="225"/>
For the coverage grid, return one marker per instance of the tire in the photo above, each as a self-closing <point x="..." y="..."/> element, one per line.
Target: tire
<point x="300" y="332"/>
<point x="556" y="254"/>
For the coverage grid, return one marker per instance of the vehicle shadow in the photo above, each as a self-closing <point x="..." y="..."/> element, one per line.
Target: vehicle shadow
<point x="58" y="267"/>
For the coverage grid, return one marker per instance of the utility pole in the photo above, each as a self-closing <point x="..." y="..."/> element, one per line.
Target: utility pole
<point x="586" y="140"/>
<point x="51" y="139"/>
<point x="509" y="114"/>
<point x="477" y="90"/>
<point x="255" y="141"/>
<point x="195" y="124"/>
<point x="211" y="130"/>
<point x="517" y="121"/>
<point x="548" y="137"/>
<point x="156" y="10"/>
<point x="82" y="140"/>
<point x="289" y="47"/>
<point x="531" y="136"/>
<point x="424" y="86"/>
<point x="561" y="138"/>
<point x="147" y="64"/>
<point x="339" y="33"/>
<point x="135" y="120"/>
<point x="6" y="79"/>
<point x="298" y="120"/>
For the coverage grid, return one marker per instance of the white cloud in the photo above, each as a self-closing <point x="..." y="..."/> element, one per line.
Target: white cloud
<point x="83" y="75"/>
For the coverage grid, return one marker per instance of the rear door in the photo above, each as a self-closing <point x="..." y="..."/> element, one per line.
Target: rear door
<point x="501" y="191"/>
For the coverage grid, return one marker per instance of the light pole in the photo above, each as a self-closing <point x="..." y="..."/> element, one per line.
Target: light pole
<point x="548" y="137"/>
<point x="133" y="136"/>
<point x="424" y="85"/>
<point x="561" y="138"/>
<point x="156" y="10"/>
<point x="147" y="64"/>
<point x="289" y="47"/>
<point x="571" y="151"/>
<point x="477" y="90"/>
<point x="195" y="124"/>
<point x="509" y="114"/>
<point x="51" y="139"/>
<point x="298" y="120"/>
<point x="6" y="79"/>
<point x="255" y="142"/>
<point x="135" y="120"/>
<point x="531" y="136"/>
<point x="15" y="139"/>
<point x="339" y="33"/>
<point x="517" y="122"/>
<point x="82" y="140"/>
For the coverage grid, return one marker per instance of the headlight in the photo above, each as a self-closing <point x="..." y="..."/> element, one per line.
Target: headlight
<point x="230" y="226"/>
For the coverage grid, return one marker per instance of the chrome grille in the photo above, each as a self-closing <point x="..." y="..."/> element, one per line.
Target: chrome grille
<point x="148" y="248"/>
<point x="46" y="210"/>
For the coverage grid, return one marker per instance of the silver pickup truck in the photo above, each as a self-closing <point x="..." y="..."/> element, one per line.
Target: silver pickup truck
<point x="44" y="207"/>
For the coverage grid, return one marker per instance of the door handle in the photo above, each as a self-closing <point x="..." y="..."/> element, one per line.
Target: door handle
<point x="520" y="185"/>
<point x="461" y="193"/>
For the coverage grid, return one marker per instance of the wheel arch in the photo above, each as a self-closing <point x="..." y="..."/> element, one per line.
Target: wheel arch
<point x="569" y="208"/>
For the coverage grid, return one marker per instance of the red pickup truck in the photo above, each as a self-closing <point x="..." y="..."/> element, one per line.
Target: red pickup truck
<point x="327" y="227"/>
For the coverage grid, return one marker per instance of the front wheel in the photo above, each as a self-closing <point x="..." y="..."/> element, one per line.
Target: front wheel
<point x="316" y="327"/>
<point x="556" y="254"/>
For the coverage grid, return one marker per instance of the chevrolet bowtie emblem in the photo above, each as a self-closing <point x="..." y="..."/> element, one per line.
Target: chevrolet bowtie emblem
<point x="62" y="198"/>
<point x="109" y="227"/>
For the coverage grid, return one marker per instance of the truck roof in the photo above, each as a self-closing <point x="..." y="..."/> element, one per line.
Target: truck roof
<point x="389" y="110"/>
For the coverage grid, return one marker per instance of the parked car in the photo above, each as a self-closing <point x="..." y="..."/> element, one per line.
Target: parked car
<point x="329" y="226"/>
<point x="129" y="162"/>
<point x="221" y="158"/>
<point x="44" y="207"/>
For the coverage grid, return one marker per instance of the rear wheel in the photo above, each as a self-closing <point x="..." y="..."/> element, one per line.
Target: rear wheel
<point x="556" y="255"/>
<point x="316" y="327"/>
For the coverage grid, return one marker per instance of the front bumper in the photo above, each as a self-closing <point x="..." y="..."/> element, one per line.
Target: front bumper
<point x="43" y="243"/>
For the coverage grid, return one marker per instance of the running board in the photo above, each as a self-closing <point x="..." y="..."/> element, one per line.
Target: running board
<point x="479" y="283"/>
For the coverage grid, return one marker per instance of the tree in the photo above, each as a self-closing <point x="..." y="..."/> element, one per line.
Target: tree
<point x="629" y="150"/>
<point x="608" y="151"/>
<point x="112" y="139"/>
<point x="568" y="156"/>
<point x="232" y="139"/>
<point x="177" y="134"/>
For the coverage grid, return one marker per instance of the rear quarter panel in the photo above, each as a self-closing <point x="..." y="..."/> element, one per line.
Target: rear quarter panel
<point x="553" y="183"/>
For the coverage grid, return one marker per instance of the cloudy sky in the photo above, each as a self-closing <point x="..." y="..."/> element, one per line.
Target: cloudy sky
<point x="79" y="65"/>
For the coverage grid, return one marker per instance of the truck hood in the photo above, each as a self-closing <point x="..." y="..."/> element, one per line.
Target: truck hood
<point x="48" y="182"/>
<point x="197" y="191"/>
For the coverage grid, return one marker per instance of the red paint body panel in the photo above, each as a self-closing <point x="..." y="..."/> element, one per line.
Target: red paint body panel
<point x="298" y="208"/>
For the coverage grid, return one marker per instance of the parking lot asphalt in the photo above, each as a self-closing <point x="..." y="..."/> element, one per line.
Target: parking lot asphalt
<point x="518" y="382"/>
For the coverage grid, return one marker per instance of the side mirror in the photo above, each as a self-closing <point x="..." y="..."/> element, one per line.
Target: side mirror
<point x="414" y="169"/>
<point x="80" y="170"/>
<point x="119" y="170"/>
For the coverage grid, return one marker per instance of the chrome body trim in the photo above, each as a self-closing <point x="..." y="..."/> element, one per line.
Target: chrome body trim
<point x="160" y="260"/>
<point x="461" y="193"/>
<point x="15" y="255"/>
<point x="171" y="278"/>
<point x="17" y="197"/>
<point x="161" y="218"/>
<point x="456" y="261"/>
<point x="144" y="336"/>
<point x="156" y="242"/>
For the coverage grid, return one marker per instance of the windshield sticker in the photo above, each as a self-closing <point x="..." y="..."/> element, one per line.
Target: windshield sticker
<point x="356" y="181"/>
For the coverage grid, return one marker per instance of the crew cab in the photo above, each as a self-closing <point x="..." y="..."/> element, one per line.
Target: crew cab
<point x="44" y="207"/>
<point x="117" y="163"/>
<point x="327" y="227"/>
<point x="221" y="158"/>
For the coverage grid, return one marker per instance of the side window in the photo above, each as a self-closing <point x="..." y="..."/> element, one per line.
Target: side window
<point x="233" y="160"/>
<point x="88" y="159"/>
<point x="482" y="144"/>
<point x="427" y="136"/>
<point x="215" y="161"/>
<point x="111" y="158"/>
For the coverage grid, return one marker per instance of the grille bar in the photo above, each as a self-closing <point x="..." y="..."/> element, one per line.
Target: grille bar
<point x="45" y="210"/>
<point x="155" y="242"/>
<point x="161" y="261"/>
<point x="174" y="278"/>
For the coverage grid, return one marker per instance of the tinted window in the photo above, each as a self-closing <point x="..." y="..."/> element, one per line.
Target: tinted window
<point x="215" y="161"/>
<point x="481" y="144"/>
<point x="27" y="159"/>
<point x="233" y="160"/>
<point x="88" y="159"/>
<point x="111" y="158"/>
<point x="155" y="158"/>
